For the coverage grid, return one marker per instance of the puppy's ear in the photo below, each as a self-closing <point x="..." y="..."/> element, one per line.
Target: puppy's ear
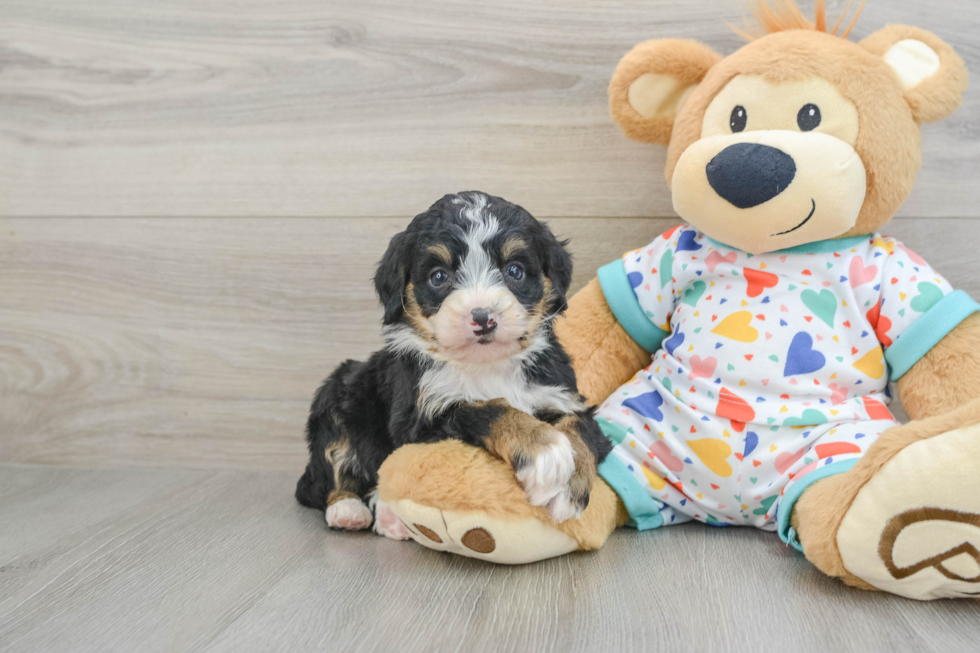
<point x="558" y="267"/>
<point x="932" y="75"/>
<point x="651" y="83"/>
<point x="391" y="277"/>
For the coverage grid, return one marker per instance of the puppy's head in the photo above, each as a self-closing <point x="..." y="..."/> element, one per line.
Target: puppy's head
<point x="474" y="279"/>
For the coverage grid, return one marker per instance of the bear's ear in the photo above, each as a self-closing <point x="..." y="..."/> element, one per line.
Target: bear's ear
<point x="932" y="75"/>
<point x="651" y="83"/>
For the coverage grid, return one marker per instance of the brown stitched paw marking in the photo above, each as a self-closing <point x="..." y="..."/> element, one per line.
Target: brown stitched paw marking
<point x="479" y="540"/>
<point x="429" y="533"/>
<point x="898" y="523"/>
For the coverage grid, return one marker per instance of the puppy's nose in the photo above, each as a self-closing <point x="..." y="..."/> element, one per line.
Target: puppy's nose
<point x="484" y="318"/>
<point x="748" y="174"/>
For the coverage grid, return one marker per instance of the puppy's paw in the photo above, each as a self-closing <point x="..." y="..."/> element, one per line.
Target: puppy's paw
<point x="550" y="476"/>
<point x="349" y="515"/>
<point x="388" y="524"/>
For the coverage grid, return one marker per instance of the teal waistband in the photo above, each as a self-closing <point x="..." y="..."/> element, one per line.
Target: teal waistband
<point x="622" y="301"/>
<point x="926" y="332"/>
<point x="644" y="510"/>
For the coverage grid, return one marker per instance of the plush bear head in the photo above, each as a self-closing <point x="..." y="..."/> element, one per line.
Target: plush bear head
<point x="799" y="136"/>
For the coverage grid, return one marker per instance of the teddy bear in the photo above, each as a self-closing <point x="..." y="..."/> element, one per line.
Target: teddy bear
<point x="740" y="362"/>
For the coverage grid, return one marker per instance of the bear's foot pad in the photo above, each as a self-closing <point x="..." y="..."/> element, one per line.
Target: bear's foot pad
<point x="914" y="528"/>
<point x="477" y="535"/>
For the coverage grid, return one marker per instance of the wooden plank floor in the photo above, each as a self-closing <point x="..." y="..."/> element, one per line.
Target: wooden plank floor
<point x="168" y="560"/>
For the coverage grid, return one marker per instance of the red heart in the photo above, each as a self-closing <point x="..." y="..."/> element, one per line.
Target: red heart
<point x="748" y="357"/>
<point x="836" y="449"/>
<point x="848" y="324"/>
<point x="759" y="281"/>
<point x="756" y="463"/>
<point x="876" y="409"/>
<point x="739" y="456"/>
<point x="733" y="407"/>
<point x="715" y="487"/>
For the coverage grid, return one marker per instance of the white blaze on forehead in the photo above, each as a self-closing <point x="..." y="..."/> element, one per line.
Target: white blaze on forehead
<point x="477" y="269"/>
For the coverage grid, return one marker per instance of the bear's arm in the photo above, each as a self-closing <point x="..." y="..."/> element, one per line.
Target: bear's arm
<point x="947" y="377"/>
<point x="603" y="355"/>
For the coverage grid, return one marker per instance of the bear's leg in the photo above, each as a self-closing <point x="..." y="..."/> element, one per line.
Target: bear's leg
<point x="906" y="518"/>
<point x="458" y="498"/>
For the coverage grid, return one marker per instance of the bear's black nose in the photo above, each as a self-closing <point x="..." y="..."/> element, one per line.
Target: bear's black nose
<point x="748" y="174"/>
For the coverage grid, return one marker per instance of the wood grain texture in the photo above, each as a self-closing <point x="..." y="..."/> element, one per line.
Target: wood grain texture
<point x="194" y="561"/>
<point x="370" y="107"/>
<point x="199" y="342"/>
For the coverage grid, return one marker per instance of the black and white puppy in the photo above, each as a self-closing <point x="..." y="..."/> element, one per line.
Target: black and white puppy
<point x="469" y="291"/>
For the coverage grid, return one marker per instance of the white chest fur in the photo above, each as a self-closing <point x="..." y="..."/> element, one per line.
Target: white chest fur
<point x="446" y="384"/>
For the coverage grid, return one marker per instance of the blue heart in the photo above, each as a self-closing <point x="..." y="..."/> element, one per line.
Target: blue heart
<point x="647" y="405"/>
<point x="635" y="279"/>
<point x="673" y="342"/>
<point x="686" y="242"/>
<point x="802" y="358"/>
<point x="751" y="442"/>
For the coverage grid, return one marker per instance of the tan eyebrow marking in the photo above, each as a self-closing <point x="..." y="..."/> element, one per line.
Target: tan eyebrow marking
<point x="512" y="246"/>
<point x="442" y="252"/>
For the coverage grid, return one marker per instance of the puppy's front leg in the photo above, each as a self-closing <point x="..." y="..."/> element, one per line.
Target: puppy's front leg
<point x="552" y="462"/>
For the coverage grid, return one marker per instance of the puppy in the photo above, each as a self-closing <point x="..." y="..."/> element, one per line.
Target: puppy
<point x="469" y="292"/>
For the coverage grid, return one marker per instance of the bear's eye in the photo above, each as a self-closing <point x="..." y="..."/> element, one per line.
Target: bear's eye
<point x="739" y="118"/>
<point x="809" y="117"/>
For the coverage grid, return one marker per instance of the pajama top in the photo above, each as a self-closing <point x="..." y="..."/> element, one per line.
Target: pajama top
<point x="770" y="371"/>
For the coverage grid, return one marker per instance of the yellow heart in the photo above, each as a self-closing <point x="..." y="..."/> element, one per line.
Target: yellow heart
<point x="762" y="266"/>
<point x="742" y="382"/>
<point x="836" y="339"/>
<point x="736" y="327"/>
<point x="871" y="363"/>
<point x="834" y="412"/>
<point x="744" y="303"/>
<point x="697" y="313"/>
<point x="881" y="243"/>
<point x="633" y="443"/>
<point x="726" y="433"/>
<point x="783" y="409"/>
<point x="655" y="481"/>
<point x="834" y="375"/>
<point x="713" y="453"/>
<point x="902" y="296"/>
<point x="744" y="507"/>
<point x="772" y="448"/>
<point x="690" y="348"/>
<point x="844" y="302"/>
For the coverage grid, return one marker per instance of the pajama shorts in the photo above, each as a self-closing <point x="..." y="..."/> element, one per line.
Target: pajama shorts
<point x="672" y="464"/>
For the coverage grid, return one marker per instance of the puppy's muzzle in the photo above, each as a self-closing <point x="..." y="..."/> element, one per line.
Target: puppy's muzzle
<point x="484" y="320"/>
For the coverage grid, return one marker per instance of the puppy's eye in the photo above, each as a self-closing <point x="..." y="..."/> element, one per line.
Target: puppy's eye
<point x="739" y="119"/>
<point x="515" y="271"/>
<point x="809" y="117"/>
<point x="438" y="278"/>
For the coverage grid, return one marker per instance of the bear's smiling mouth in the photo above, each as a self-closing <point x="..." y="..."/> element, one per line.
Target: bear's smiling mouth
<point x="812" y="211"/>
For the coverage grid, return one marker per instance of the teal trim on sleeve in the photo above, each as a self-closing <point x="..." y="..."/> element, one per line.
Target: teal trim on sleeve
<point x="926" y="332"/>
<point x="783" y="523"/>
<point x="643" y="509"/>
<point x="622" y="300"/>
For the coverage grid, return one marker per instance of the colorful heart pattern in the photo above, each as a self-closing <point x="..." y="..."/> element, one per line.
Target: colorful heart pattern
<point x="773" y="366"/>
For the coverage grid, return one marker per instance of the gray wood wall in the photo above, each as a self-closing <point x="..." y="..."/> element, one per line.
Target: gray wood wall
<point x="193" y="192"/>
